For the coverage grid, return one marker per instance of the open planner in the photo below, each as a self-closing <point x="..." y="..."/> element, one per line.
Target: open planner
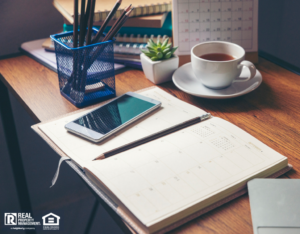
<point x="160" y="184"/>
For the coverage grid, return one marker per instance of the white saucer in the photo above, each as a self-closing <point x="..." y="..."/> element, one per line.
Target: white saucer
<point x="185" y="80"/>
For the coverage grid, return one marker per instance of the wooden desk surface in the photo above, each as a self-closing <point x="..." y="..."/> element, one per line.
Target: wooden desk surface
<point x="271" y="114"/>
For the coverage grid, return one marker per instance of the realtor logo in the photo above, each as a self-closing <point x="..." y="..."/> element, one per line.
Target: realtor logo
<point x="10" y="218"/>
<point x="51" y="222"/>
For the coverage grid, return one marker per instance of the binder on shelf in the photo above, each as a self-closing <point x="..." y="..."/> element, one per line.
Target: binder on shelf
<point x="166" y="29"/>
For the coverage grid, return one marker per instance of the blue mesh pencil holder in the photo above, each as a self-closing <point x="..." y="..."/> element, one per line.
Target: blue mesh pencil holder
<point x="86" y="74"/>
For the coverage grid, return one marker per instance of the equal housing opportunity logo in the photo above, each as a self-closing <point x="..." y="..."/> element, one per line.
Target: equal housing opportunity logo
<point x="51" y="222"/>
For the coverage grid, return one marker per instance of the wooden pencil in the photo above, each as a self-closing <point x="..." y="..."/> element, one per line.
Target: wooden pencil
<point x="82" y="19"/>
<point x="119" y="20"/>
<point x="107" y="20"/>
<point x="85" y="16"/>
<point x="71" y="82"/>
<point x="98" y="52"/>
<point x="75" y="43"/>
<point x="87" y="13"/>
<point x="75" y="24"/>
<point x="116" y="29"/>
<point x="112" y="33"/>
<point x="86" y="19"/>
<point x="90" y="21"/>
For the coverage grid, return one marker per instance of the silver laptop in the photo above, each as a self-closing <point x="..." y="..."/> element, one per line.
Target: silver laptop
<point x="275" y="206"/>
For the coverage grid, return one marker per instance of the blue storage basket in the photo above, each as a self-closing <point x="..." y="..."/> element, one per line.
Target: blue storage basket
<point x="86" y="74"/>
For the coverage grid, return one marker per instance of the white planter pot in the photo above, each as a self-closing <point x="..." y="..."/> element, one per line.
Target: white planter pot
<point x="159" y="71"/>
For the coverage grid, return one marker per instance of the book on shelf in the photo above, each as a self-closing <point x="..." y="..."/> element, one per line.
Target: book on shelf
<point x="103" y="7"/>
<point x="166" y="29"/>
<point x="157" y="183"/>
<point x="149" y="21"/>
<point x="128" y="48"/>
<point x="48" y="45"/>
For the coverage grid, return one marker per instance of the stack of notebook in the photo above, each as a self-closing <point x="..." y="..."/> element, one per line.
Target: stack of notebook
<point x="150" y="18"/>
<point x="141" y="8"/>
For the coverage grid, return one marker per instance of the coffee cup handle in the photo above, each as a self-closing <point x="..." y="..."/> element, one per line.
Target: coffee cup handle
<point x="251" y="68"/>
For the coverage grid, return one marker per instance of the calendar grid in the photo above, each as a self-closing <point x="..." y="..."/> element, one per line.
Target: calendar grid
<point x="215" y="20"/>
<point x="174" y="172"/>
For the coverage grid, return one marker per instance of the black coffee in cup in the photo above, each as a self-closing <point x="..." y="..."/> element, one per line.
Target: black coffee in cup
<point x="217" y="57"/>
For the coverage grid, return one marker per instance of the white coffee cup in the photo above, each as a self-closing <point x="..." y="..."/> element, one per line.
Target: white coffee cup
<point x="220" y="74"/>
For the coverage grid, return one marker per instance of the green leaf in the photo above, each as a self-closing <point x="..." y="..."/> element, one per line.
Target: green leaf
<point x="173" y="49"/>
<point x="154" y="58"/>
<point x="150" y="54"/>
<point x="169" y="45"/>
<point x="159" y="49"/>
<point x="149" y="45"/>
<point x="152" y="43"/>
<point x="168" y="55"/>
<point x="159" y="55"/>
<point x="166" y="50"/>
<point x="165" y="42"/>
<point x="151" y="50"/>
<point x="144" y="51"/>
<point x="158" y="43"/>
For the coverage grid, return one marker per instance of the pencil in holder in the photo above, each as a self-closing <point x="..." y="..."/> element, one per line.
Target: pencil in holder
<point x="86" y="74"/>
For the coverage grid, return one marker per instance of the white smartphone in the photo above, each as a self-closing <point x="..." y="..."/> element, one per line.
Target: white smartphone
<point x="112" y="117"/>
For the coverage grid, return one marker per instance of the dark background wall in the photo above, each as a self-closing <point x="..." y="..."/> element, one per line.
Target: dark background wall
<point x="278" y="29"/>
<point x="22" y="21"/>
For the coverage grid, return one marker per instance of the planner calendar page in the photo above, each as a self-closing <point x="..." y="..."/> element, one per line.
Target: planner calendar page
<point x="172" y="112"/>
<point x="196" y="21"/>
<point x="167" y="175"/>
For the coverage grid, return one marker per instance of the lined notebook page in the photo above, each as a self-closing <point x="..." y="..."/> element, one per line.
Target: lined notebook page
<point x="196" y="21"/>
<point x="167" y="175"/>
<point x="172" y="112"/>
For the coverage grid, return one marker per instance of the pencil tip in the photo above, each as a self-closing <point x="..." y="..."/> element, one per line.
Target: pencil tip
<point x="128" y="8"/>
<point x="129" y="12"/>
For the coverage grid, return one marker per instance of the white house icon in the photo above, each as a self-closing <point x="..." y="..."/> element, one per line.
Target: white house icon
<point x="51" y="219"/>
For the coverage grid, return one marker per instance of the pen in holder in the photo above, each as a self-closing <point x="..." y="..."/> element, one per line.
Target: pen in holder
<point x="86" y="74"/>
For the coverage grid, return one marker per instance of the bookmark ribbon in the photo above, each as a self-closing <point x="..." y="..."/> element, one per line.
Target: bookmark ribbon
<point x="57" y="170"/>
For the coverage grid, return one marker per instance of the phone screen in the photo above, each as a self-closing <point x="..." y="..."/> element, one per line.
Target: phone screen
<point x="114" y="114"/>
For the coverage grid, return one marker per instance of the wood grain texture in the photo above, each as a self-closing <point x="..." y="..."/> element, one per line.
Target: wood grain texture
<point x="271" y="114"/>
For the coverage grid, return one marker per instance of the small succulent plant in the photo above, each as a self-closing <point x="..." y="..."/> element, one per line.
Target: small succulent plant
<point x="159" y="51"/>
